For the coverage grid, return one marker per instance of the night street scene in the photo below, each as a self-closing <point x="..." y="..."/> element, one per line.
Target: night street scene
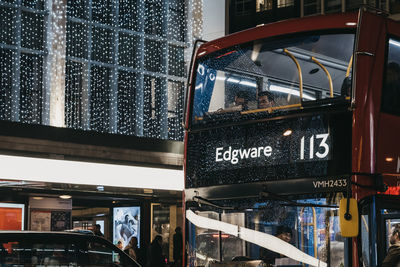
<point x="187" y="133"/>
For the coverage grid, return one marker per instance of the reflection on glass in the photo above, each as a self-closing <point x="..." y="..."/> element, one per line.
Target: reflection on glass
<point x="311" y="67"/>
<point x="268" y="232"/>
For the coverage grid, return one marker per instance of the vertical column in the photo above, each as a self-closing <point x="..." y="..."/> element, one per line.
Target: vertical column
<point x="164" y="88"/>
<point x="114" y="74"/>
<point x="322" y="7"/>
<point x="173" y="224"/>
<point x="47" y="64"/>
<point x="86" y="74"/>
<point x="343" y="6"/>
<point x="140" y="89"/>
<point x="56" y="61"/>
<point x="301" y="8"/>
<point x="15" y="93"/>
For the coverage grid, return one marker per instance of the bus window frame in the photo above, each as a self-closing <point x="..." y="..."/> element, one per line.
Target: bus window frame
<point x="386" y="58"/>
<point x="303" y="104"/>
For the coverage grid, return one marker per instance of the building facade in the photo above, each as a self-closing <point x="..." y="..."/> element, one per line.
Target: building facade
<point x="100" y="65"/>
<point x="95" y="86"/>
<point x="244" y="14"/>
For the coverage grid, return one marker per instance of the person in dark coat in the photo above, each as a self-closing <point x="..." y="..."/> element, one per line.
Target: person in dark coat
<point x="282" y="232"/>
<point x="155" y="256"/>
<point x="392" y="258"/>
<point x="97" y="230"/>
<point x="178" y="247"/>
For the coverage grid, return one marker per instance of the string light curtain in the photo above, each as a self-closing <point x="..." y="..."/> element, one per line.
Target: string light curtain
<point x="122" y="63"/>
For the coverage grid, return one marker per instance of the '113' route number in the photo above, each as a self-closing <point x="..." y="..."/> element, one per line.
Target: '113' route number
<point x="323" y="148"/>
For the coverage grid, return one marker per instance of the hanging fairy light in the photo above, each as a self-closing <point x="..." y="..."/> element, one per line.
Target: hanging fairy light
<point x="125" y="63"/>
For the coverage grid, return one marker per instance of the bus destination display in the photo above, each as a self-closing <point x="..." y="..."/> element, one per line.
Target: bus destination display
<point x="300" y="147"/>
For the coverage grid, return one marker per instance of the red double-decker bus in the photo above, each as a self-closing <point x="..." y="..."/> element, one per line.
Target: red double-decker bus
<point x="284" y="121"/>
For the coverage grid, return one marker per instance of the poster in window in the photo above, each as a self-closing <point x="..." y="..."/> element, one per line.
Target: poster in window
<point x="126" y="224"/>
<point x="40" y="220"/>
<point x="60" y="220"/>
<point x="11" y="216"/>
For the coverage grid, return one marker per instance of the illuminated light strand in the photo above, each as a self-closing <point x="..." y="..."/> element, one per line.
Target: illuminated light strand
<point x="129" y="40"/>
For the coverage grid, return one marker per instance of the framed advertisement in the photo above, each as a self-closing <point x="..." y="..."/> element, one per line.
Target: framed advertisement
<point x="12" y="216"/>
<point x="126" y="224"/>
<point x="40" y="220"/>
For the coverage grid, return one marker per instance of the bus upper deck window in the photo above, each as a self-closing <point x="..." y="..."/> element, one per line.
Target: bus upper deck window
<point x="272" y="75"/>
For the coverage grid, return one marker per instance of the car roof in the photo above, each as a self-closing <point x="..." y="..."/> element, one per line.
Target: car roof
<point x="49" y="235"/>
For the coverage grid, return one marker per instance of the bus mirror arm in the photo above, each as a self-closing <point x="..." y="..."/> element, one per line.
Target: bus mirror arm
<point x="347" y="216"/>
<point x="348" y="213"/>
<point x="378" y="184"/>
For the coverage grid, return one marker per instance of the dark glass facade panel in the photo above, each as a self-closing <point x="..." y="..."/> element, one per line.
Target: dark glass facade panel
<point x="32" y="30"/>
<point x="285" y="3"/>
<point x="128" y="82"/>
<point x="128" y="50"/>
<point x="394" y="6"/>
<point x="312" y="7"/>
<point x="153" y="105"/>
<point x="333" y="6"/>
<point x="6" y="82"/>
<point x="243" y="7"/>
<point x="73" y="94"/>
<point x="35" y="4"/>
<point x="176" y="61"/>
<point x="31" y="88"/>
<point x="102" y="11"/>
<point x="77" y="44"/>
<point x="78" y="9"/>
<point x="100" y="81"/>
<point x="128" y="15"/>
<point x="102" y="45"/>
<point x="176" y="20"/>
<point x="154" y="56"/>
<point x="7" y="26"/>
<point x="154" y="18"/>
<point x="353" y="5"/>
<point x="175" y="105"/>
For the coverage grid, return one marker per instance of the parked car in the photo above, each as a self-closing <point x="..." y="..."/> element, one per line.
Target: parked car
<point x="26" y="248"/>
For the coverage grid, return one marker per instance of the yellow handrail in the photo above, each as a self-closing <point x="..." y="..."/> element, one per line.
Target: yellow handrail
<point x="270" y="109"/>
<point x="349" y="67"/>
<point x="327" y="74"/>
<point x="299" y="71"/>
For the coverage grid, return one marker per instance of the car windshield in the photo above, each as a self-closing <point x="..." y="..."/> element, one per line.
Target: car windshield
<point x="268" y="76"/>
<point x="277" y="232"/>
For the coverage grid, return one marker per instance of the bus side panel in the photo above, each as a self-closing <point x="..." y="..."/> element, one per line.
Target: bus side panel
<point x="369" y="64"/>
<point x="388" y="151"/>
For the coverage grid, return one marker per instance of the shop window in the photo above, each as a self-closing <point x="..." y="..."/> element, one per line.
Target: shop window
<point x="263" y="5"/>
<point x="333" y="6"/>
<point x="312" y="7"/>
<point x="391" y="85"/>
<point x="243" y="7"/>
<point x="353" y="5"/>
<point x="394" y="6"/>
<point x="285" y="3"/>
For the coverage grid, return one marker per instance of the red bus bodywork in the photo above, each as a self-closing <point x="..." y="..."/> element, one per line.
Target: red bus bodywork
<point x="375" y="134"/>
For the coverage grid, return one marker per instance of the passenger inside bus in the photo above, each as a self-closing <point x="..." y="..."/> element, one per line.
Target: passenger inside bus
<point x="265" y="100"/>
<point x="269" y="257"/>
<point x="240" y="103"/>
<point x="393" y="255"/>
